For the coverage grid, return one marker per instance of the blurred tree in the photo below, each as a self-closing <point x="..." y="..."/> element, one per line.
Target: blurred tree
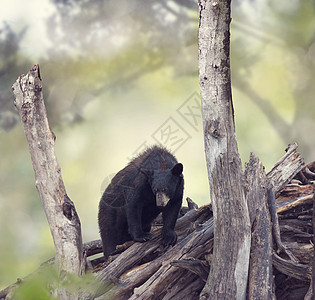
<point x="288" y="76"/>
<point x="100" y="46"/>
<point x="11" y="65"/>
<point x="109" y="45"/>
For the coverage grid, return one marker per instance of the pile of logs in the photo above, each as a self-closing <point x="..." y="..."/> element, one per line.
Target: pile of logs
<point x="295" y="213"/>
<point x="148" y="271"/>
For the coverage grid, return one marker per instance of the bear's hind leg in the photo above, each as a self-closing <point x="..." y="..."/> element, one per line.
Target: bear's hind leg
<point x="109" y="243"/>
<point x="108" y="228"/>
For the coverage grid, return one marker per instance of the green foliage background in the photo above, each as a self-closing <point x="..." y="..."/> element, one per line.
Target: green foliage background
<point x="114" y="72"/>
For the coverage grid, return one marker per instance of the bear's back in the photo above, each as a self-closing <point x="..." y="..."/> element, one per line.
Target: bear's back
<point x="131" y="177"/>
<point x="154" y="158"/>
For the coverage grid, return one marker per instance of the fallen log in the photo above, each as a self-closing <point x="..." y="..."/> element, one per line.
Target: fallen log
<point x="138" y="254"/>
<point x="286" y="168"/>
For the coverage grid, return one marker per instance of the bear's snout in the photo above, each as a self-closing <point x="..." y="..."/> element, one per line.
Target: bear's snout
<point x="161" y="199"/>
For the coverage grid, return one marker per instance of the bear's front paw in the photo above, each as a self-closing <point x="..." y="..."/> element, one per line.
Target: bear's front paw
<point x="169" y="238"/>
<point x="142" y="238"/>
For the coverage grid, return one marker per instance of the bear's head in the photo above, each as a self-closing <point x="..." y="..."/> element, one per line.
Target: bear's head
<point x="164" y="183"/>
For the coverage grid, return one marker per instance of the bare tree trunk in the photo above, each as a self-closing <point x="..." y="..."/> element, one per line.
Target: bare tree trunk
<point x="63" y="220"/>
<point x="232" y="232"/>
<point x="260" y="281"/>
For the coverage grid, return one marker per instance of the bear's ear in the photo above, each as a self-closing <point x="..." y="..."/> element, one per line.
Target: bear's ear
<point x="177" y="169"/>
<point x="148" y="173"/>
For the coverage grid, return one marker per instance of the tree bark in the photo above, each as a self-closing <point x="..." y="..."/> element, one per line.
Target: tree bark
<point x="280" y="171"/>
<point x="260" y="281"/>
<point x="232" y="235"/>
<point x="62" y="217"/>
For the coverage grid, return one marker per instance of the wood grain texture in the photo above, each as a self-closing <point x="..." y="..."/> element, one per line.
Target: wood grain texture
<point x="232" y="237"/>
<point x="63" y="220"/>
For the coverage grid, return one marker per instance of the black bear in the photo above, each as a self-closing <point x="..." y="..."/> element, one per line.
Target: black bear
<point x="151" y="183"/>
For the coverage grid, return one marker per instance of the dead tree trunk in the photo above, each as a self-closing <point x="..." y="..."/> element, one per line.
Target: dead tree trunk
<point x="260" y="281"/>
<point x="232" y="233"/>
<point x="63" y="220"/>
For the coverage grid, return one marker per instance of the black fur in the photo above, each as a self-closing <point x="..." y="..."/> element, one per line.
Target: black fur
<point x="128" y="205"/>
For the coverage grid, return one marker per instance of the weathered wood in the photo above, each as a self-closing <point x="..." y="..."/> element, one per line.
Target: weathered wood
<point x="92" y="247"/>
<point x="296" y="233"/>
<point x="232" y="237"/>
<point x="295" y="270"/>
<point x="185" y="287"/>
<point x="292" y="203"/>
<point x="152" y="280"/>
<point x="276" y="228"/>
<point x="294" y="190"/>
<point x="307" y="174"/>
<point x="194" y="245"/>
<point x="286" y="168"/>
<point x="194" y="265"/>
<point x="302" y="251"/>
<point x="260" y="281"/>
<point x="138" y="253"/>
<point x="62" y="218"/>
<point x="309" y="294"/>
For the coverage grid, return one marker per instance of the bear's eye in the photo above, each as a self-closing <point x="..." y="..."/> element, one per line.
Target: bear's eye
<point x="164" y="190"/>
